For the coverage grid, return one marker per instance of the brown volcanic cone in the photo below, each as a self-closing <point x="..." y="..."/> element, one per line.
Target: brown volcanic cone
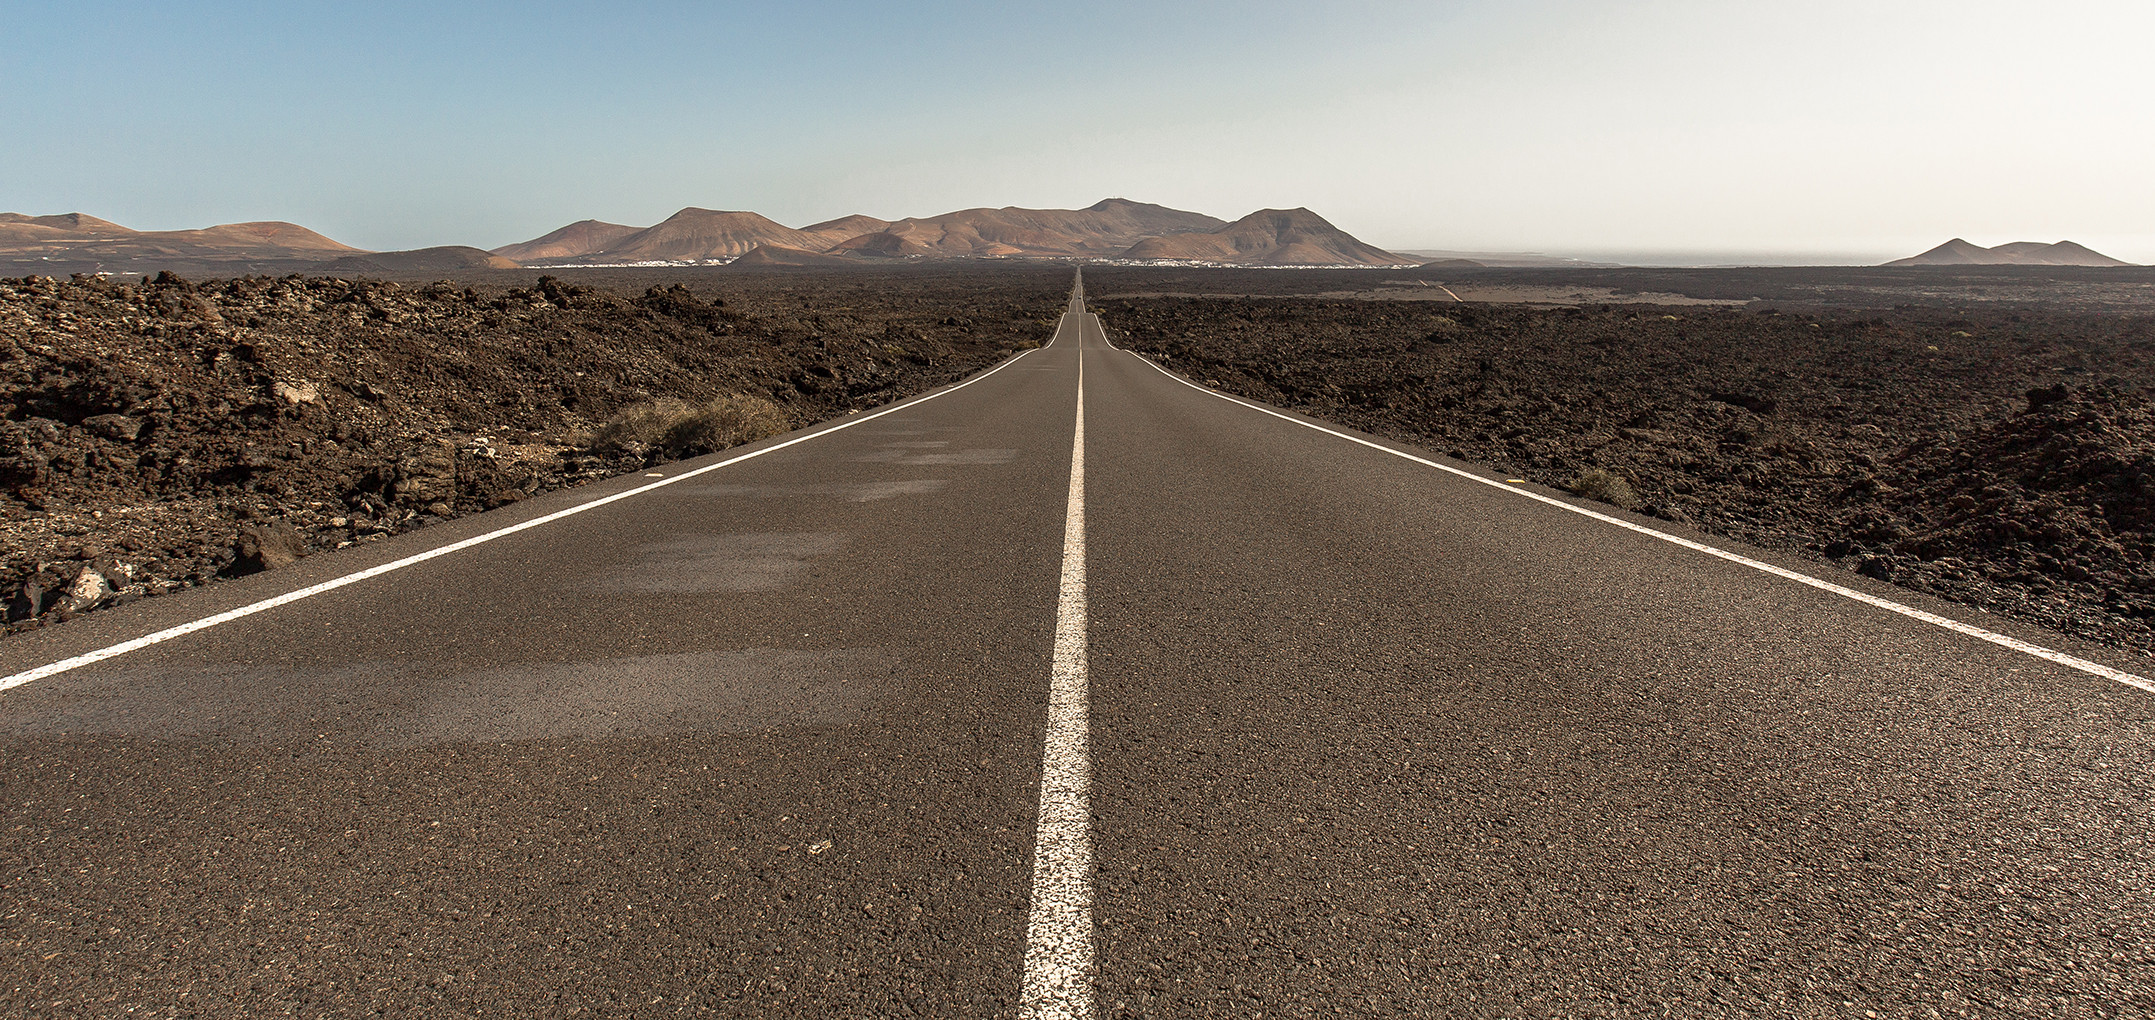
<point x="1957" y="252"/>
<point x="1102" y="229"/>
<point x="881" y="244"/>
<point x="264" y="236"/>
<point x="579" y="238"/>
<point x="695" y="234"/>
<point x="63" y="224"/>
<point x="1270" y="237"/>
<point x="40" y="235"/>
<point x="844" y="228"/>
<point x="2063" y="253"/>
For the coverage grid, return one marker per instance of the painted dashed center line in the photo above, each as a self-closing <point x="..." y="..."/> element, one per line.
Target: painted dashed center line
<point x="1059" y="930"/>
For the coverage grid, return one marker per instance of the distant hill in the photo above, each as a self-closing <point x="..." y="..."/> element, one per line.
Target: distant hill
<point x="445" y="259"/>
<point x="832" y="232"/>
<point x="579" y="238"/>
<point x="1957" y="252"/>
<point x="882" y="244"/>
<point x="698" y="235"/>
<point x="64" y="223"/>
<point x="1270" y="237"/>
<point x="76" y="238"/>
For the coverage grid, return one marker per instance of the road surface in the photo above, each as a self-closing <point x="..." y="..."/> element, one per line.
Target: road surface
<point x="902" y="715"/>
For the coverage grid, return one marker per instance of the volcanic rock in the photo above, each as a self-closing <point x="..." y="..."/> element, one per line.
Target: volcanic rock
<point x="293" y="394"/>
<point x="114" y="426"/>
<point x="266" y="547"/>
<point x="2003" y="458"/>
<point x="434" y="400"/>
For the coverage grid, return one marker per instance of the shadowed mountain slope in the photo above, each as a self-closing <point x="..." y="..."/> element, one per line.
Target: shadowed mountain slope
<point x="447" y="258"/>
<point x="778" y="255"/>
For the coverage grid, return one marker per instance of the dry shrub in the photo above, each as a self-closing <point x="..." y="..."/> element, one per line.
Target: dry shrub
<point x="672" y="429"/>
<point x="638" y="428"/>
<point x="1606" y="486"/>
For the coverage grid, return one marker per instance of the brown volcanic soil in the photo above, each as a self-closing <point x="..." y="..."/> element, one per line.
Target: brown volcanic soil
<point x="2002" y="458"/>
<point x="156" y="435"/>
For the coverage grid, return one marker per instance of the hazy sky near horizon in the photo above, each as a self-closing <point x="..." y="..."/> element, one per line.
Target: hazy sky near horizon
<point x="1849" y="131"/>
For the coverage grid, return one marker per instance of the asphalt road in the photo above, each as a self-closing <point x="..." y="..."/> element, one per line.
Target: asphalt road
<point x="1365" y="738"/>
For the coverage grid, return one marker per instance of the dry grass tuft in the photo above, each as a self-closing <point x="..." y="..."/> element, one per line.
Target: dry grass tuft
<point x="1606" y="486"/>
<point x="672" y="429"/>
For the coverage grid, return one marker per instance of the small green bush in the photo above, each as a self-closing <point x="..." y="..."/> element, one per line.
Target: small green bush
<point x="1606" y="486"/>
<point x="672" y="429"/>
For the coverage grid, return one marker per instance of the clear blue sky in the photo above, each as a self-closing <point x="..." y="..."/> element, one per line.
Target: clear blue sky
<point x="1826" y="127"/>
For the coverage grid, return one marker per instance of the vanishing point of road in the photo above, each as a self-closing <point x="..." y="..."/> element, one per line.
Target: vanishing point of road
<point x="1072" y="690"/>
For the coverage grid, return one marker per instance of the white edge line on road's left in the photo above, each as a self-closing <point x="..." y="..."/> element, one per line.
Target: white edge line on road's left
<point x="2001" y="640"/>
<point x="76" y="662"/>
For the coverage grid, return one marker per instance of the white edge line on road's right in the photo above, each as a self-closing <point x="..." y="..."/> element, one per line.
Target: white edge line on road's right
<point x="1889" y="605"/>
<point x="62" y="666"/>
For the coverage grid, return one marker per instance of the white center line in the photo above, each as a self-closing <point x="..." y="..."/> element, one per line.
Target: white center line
<point x="1059" y="935"/>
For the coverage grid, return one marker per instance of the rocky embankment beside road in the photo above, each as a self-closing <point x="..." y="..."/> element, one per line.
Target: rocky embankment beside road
<point x="2000" y="458"/>
<point x="158" y="435"/>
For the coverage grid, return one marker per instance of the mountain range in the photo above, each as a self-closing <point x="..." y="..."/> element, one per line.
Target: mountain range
<point x="1113" y="229"/>
<point x="1116" y="229"/>
<point x="1957" y="252"/>
<point x="79" y="237"/>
